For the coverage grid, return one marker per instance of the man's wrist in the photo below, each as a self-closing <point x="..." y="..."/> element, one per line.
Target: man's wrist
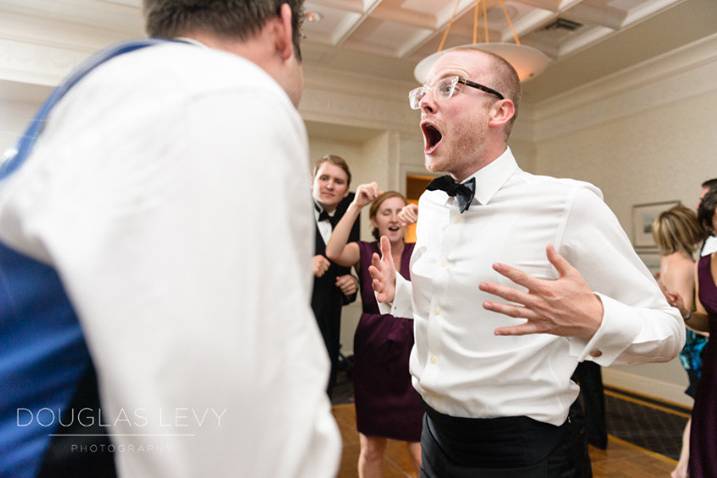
<point x="597" y="318"/>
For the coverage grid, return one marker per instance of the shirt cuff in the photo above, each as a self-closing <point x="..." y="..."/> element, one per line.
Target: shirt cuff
<point x="614" y="335"/>
<point x="401" y="305"/>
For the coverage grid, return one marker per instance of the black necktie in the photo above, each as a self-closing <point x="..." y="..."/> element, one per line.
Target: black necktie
<point x="463" y="193"/>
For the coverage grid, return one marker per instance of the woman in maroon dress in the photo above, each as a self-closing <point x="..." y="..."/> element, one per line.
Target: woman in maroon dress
<point x="387" y="406"/>
<point x="703" y="435"/>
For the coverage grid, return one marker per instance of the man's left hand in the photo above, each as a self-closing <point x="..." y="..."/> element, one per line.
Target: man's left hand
<point x="348" y="284"/>
<point x="565" y="306"/>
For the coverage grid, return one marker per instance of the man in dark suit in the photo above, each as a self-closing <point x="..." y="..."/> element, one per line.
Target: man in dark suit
<point x="334" y="286"/>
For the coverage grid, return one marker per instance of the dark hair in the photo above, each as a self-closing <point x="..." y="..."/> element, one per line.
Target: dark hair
<point x="677" y="230"/>
<point x="376" y="204"/>
<point x="227" y="18"/>
<point x="710" y="183"/>
<point x="336" y="160"/>
<point x="706" y="211"/>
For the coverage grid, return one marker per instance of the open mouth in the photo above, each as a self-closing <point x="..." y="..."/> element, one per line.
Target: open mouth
<point x="432" y="137"/>
<point x="394" y="228"/>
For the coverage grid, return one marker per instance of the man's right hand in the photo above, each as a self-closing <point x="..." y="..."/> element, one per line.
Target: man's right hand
<point x="383" y="273"/>
<point x="321" y="265"/>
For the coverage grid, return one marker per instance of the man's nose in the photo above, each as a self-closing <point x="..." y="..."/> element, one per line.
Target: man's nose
<point x="428" y="102"/>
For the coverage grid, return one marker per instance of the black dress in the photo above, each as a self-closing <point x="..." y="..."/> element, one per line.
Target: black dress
<point x="703" y="432"/>
<point x="387" y="405"/>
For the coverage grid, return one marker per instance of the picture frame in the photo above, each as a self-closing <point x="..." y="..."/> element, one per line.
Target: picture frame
<point x="642" y="217"/>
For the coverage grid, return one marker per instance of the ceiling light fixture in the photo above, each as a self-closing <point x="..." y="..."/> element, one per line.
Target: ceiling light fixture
<point x="312" y="16"/>
<point x="529" y="62"/>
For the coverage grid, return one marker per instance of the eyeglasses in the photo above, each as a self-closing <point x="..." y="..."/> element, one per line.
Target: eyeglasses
<point x="445" y="89"/>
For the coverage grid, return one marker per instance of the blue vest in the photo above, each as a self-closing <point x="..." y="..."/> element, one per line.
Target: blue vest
<point x="46" y="372"/>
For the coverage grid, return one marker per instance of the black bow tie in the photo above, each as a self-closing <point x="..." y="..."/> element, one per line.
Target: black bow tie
<point x="464" y="193"/>
<point x="324" y="216"/>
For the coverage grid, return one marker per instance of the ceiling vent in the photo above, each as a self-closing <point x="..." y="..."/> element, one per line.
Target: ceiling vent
<point x="564" y="24"/>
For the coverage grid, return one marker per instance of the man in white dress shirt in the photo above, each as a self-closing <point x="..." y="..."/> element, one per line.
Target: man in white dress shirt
<point x="160" y="233"/>
<point x="498" y="389"/>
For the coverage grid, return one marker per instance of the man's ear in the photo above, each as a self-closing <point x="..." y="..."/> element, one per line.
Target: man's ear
<point x="501" y="112"/>
<point x="283" y="33"/>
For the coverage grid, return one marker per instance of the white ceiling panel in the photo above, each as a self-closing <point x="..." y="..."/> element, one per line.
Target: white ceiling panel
<point x="388" y="38"/>
<point x="333" y="26"/>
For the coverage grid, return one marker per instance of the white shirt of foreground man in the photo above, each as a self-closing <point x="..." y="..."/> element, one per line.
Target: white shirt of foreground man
<point x="459" y="365"/>
<point x="143" y="193"/>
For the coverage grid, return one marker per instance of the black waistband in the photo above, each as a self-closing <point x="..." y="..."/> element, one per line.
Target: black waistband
<point x="493" y="441"/>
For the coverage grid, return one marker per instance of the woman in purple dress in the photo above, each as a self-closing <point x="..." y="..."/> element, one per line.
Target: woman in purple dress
<point x="703" y="435"/>
<point x="387" y="406"/>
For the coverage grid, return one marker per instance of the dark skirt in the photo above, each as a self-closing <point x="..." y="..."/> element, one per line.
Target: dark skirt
<point x="387" y="405"/>
<point x="703" y="432"/>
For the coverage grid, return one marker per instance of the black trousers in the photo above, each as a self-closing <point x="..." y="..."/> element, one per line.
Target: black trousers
<point x="592" y="399"/>
<point x="506" y="447"/>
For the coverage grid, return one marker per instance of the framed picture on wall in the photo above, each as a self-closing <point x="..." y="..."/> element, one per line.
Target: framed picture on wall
<point x="642" y="217"/>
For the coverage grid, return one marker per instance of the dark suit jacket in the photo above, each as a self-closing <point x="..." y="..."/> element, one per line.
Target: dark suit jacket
<point x="326" y="298"/>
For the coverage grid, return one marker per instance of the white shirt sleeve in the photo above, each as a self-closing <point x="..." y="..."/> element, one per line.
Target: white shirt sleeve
<point x="638" y="325"/>
<point x="185" y="246"/>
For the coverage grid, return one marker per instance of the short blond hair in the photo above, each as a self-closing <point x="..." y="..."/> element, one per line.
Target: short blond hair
<point x="504" y="79"/>
<point x="677" y="229"/>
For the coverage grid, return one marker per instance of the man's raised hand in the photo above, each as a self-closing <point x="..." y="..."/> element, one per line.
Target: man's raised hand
<point x="383" y="273"/>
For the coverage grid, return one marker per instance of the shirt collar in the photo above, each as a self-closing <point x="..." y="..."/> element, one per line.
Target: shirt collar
<point x="492" y="177"/>
<point x="192" y="41"/>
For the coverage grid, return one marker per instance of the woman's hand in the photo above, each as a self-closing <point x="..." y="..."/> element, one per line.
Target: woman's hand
<point x="408" y="215"/>
<point x="365" y="194"/>
<point x="675" y="300"/>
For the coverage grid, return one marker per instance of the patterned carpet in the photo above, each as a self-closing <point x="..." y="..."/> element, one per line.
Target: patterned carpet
<point x="654" y="426"/>
<point x="657" y="427"/>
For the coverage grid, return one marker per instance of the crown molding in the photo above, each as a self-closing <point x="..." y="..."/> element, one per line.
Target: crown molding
<point x="356" y="110"/>
<point x="682" y="73"/>
<point x="356" y="83"/>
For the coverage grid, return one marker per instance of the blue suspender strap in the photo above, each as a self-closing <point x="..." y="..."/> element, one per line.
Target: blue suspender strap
<point x="45" y="366"/>
<point x="33" y="131"/>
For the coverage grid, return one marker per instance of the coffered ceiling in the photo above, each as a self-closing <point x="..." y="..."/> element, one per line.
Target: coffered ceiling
<point x="408" y="30"/>
<point x="384" y="38"/>
<point x="411" y="28"/>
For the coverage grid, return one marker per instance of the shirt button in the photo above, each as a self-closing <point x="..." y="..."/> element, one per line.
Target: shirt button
<point x="434" y="359"/>
<point x="596" y="353"/>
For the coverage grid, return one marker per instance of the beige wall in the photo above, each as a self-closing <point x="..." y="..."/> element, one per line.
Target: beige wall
<point x="647" y="135"/>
